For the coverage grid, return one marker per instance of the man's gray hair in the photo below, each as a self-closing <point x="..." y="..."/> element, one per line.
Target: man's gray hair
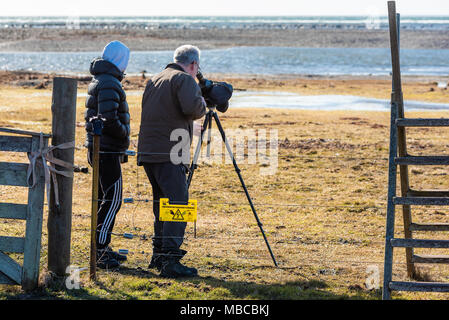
<point x="186" y="54"/>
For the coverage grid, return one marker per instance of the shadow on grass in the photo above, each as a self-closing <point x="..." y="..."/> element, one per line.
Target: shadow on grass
<point x="201" y="288"/>
<point x="214" y="288"/>
<point x="294" y="290"/>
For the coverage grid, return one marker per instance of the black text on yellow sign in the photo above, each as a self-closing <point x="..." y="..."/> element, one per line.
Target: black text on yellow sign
<point x="176" y="212"/>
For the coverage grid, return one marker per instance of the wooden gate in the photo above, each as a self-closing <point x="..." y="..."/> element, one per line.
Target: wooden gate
<point x="16" y="174"/>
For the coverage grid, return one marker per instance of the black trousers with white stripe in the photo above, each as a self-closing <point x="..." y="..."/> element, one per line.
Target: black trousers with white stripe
<point x="109" y="195"/>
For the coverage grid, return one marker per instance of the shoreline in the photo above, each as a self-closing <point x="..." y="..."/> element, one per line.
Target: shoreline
<point x="424" y="88"/>
<point x="419" y="88"/>
<point x="84" y="40"/>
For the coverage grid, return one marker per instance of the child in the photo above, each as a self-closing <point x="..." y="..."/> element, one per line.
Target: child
<point x="107" y="98"/>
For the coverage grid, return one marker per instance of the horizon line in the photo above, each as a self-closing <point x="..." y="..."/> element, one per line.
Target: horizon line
<point x="218" y="15"/>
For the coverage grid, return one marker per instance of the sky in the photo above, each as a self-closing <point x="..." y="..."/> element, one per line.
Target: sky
<point x="219" y="7"/>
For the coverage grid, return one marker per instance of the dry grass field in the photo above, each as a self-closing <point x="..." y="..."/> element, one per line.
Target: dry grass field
<point x="323" y="210"/>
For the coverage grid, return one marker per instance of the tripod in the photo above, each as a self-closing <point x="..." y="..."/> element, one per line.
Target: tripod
<point x="207" y="125"/>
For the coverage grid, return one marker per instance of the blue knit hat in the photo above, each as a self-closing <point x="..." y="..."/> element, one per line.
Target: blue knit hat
<point x="116" y="53"/>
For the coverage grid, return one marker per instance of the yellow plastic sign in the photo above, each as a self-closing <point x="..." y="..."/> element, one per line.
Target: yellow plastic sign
<point x="177" y="212"/>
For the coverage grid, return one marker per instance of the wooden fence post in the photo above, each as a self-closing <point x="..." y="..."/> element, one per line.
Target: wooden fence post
<point x="94" y="212"/>
<point x="60" y="219"/>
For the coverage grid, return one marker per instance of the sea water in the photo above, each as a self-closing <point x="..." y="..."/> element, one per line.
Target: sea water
<point x="252" y="60"/>
<point x="287" y="100"/>
<point x="249" y="60"/>
<point x="223" y="22"/>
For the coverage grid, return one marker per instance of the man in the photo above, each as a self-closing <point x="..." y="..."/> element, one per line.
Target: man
<point x="107" y="98"/>
<point x="171" y="101"/>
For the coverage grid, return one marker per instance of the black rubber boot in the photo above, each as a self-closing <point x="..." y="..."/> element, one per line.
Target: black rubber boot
<point x="105" y="260"/>
<point x="156" y="261"/>
<point x="172" y="268"/>
<point x="117" y="256"/>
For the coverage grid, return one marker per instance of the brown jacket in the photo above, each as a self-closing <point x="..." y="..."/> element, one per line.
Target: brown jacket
<point x="171" y="100"/>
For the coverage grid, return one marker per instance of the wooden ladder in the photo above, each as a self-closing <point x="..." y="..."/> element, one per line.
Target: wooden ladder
<point x="398" y="156"/>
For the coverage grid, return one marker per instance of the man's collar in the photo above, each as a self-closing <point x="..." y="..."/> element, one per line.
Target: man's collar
<point x="175" y="66"/>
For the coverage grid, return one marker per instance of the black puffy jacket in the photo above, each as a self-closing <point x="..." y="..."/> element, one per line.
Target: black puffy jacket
<point x="106" y="96"/>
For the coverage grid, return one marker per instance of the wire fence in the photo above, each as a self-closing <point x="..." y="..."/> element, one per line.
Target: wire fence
<point x="284" y="262"/>
<point x="280" y="242"/>
<point x="303" y="156"/>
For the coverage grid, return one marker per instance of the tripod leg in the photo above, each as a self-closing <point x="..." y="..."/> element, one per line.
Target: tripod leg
<point x="207" y="120"/>
<point x="209" y="133"/>
<point x="220" y="128"/>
